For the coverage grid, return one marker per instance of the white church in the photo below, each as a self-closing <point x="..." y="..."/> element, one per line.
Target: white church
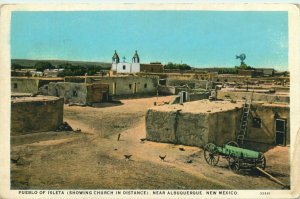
<point x="125" y="67"/>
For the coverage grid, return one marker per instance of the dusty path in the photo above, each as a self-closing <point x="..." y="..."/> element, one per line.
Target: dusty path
<point x="94" y="159"/>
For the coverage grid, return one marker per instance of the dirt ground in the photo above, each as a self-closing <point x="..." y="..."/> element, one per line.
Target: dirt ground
<point x="94" y="158"/>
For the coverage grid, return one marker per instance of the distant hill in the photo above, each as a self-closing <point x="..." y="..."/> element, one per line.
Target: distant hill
<point x="30" y="63"/>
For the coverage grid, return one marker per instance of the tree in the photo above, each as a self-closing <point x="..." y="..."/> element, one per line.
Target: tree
<point x="16" y="66"/>
<point x="41" y="66"/>
<point x="171" y="65"/>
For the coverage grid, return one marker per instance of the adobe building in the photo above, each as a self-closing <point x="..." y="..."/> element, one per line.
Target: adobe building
<point x="30" y="84"/>
<point x="123" y="86"/>
<point x="200" y="122"/>
<point x="77" y="93"/>
<point x="35" y="114"/>
<point x="258" y="95"/>
<point x="195" y="123"/>
<point x="153" y="67"/>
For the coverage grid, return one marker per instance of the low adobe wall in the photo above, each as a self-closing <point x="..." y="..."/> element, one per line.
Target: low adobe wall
<point x="35" y="114"/>
<point x="193" y="127"/>
<point x="223" y="94"/>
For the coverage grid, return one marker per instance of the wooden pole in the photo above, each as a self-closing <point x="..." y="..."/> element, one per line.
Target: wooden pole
<point x="272" y="177"/>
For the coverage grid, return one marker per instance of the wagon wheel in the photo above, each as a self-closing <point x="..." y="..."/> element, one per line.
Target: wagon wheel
<point x="232" y="143"/>
<point x="211" y="155"/>
<point x="262" y="161"/>
<point x="234" y="163"/>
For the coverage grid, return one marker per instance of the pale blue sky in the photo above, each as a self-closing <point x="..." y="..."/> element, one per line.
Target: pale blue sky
<point x="198" y="38"/>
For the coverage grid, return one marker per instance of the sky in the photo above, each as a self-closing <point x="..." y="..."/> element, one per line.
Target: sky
<point x="197" y="38"/>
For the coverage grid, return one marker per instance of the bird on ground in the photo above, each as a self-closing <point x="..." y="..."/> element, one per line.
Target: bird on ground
<point x="15" y="159"/>
<point x="78" y="130"/>
<point x="143" y="139"/>
<point x="127" y="157"/>
<point x="162" y="158"/>
<point x="181" y="149"/>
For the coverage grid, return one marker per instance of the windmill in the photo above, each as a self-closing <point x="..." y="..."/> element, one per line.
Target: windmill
<point x="242" y="57"/>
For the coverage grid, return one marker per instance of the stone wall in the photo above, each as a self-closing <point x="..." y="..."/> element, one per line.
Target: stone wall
<point x="37" y="114"/>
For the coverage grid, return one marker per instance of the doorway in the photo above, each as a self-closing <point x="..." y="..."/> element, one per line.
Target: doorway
<point x="135" y="88"/>
<point x="114" y="88"/>
<point x="280" y="128"/>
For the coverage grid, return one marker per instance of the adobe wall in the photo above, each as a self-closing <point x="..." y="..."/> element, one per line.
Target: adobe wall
<point x="230" y="78"/>
<point x="97" y="93"/>
<point x="223" y="126"/>
<point x="223" y="94"/>
<point x="129" y="85"/>
<point x="192" y="128"/>
<point x="166" y="90"/>
<point x="30" y="85"/>
<point x="192" y="83"/>
<point x="267" y="113"/>
<point x="35" y="114"/>
<point x="71" y="92"/>
<point x="24" y="85"/>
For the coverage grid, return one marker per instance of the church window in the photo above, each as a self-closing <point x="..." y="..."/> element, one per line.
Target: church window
<point x="124" y="67"/>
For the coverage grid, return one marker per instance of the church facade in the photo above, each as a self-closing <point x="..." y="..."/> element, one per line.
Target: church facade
<point x="126" y="67"/>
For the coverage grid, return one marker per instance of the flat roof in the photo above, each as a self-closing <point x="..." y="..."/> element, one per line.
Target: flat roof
<point x="34" y="99"/>
<point x="200" y="106"/>
<point x="40" y="78"/>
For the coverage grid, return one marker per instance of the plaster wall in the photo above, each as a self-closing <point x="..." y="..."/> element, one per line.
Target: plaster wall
<point x="29" y="116"/>
<point x="71" y="92"/>
<point x="128" y="85"/>
<point x="223" y="94"/>
<point x="267" y="114"/>
<point x="192" y="83"/>
<point x="24" y="85"/>
<point x="190" y="128"/>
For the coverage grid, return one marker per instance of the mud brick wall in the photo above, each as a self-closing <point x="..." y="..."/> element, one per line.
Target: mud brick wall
<point x="256" y="96"/>
<point x="129" y="85"/>
<point x="194" y="129"/>
<point x="36" y="116"/>
<point x="71" y="92"/>
<point x="224" y="126"/>
<point x="166" y="90"/>
<point x="24" y="85"/>
<point x="97" y="92"/>
<point x="267" y="132"/>
<point x="192" y="83"/>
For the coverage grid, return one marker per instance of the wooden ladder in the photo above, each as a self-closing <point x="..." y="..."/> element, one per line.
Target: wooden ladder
<point x="244" y="121"/>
